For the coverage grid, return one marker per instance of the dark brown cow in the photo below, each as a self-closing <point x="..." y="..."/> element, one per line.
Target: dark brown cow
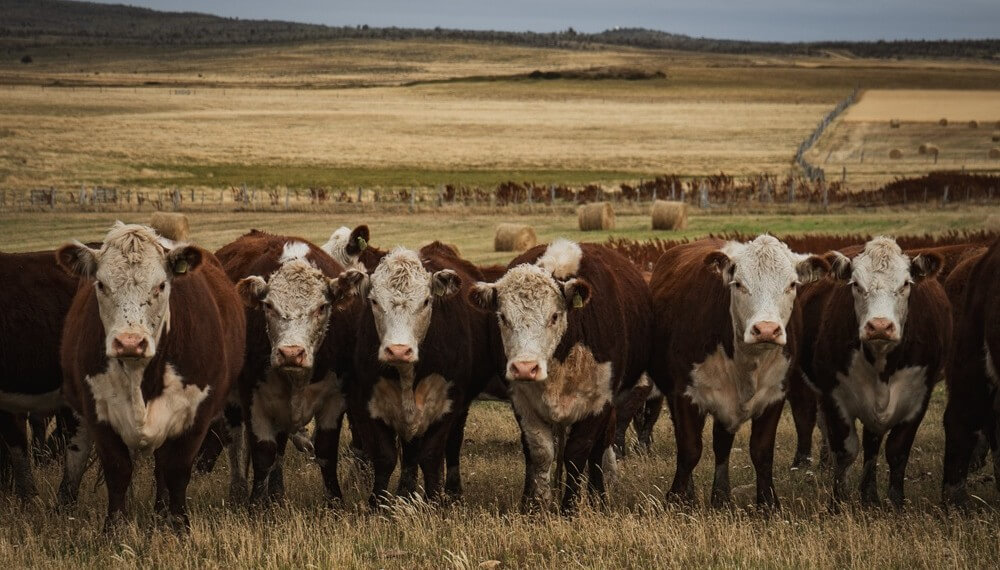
<point x="726" y="338"/>
<point x="880" y="348"/>
<point x="34" y="299"/>
<point x="422" y="356"/>
<point x="151" y="346"/>
<point x="300" y="338"/>
<point x="972" y="378"/>
<point x="574" y="322"/>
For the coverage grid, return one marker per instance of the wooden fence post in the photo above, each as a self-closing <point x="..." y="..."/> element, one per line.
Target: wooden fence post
<point x="826" y="195"/>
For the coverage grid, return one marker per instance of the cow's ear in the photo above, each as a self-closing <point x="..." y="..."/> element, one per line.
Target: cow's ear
<point x="718" y="262"/>
<point x="182" y="259"/>
<point x="349" y="284"/>
<point x="577" y="293"/>
<point x="925" y="265"/>
<point x="358" y="241"/>
<point x="811" y="268"/>
<point x="445" y="283"/>
<point x="840" y="265"/>
<point x="483" y="296"/>
<point x="77" y="259"/>
<point x="252" y="290"/>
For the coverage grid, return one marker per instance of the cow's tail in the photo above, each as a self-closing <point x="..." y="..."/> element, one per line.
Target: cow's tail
<point x="560" y="442"/>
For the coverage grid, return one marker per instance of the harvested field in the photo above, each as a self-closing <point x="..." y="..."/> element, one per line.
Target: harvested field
<point x="926" y="106"/>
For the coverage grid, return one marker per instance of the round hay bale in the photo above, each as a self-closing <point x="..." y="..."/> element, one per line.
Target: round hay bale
<point x="995" y="152"/>
<point x="932" y="150"/>
<point x="893" y="123"/>
<point x="669" y="215"/>
<point x="922" y="149"/>
<point x="171" y="226"/>
<point x="597" y="216"/>
<point x="895" y="153"/>
<point x="943" y="122"/>
<point x="992" y="223"/>
<point x="995" y="137"/>
<point x="973" y="124"/>
<point x="514" y="237"/>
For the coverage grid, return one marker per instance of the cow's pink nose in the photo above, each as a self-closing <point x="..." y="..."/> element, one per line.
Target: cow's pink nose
<point x="292" y="355"/>
<point x="525" y="370"/>
<point x="129" y="345"/>
<point x="766" y="331"/>
<point x="880" y="329"/>
<point x="399" y="352"/>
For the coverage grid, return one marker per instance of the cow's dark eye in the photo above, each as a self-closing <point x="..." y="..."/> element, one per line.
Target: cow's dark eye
<point x="163" y="286"/>
<point x="554" y="318"/>
<point x="503" y="319"/>
<point x="267" y="306"/>
<point x="100" y="286"/>
<point x="427" y="301"/>
<point x="738" y="286"/>
<point x="374" y="302"/>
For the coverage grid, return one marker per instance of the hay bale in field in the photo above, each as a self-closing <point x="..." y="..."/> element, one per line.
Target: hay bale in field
<point x="995" y="137"/>
<point x="992" y="223"/>
<point x="893" y="123"/>
<point x="514" y="237"/>
<point x="895" y="153"/>
<point x="995" y="152"/>
<point x="973" y="124"/>
<point x="922" y="149"/>
<point x="597" y="216"/>
<point x="943" y="122"/>
<point x="171" y="226"/>
<point x="669" y="215"/>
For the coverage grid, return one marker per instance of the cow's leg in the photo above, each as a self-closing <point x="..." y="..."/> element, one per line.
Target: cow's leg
<point x="644" y="422"/>
<point x="627" y="407"/>
<point x="603" y="462"/>
<point x="897" y="455"/>
<point x="78" y="447"/>
<point x="176" y="458"/>
<point x="802" y="401"/>
<point x="529" y="481"/>
<point x="326" y="445"/>
<point x="432" y="457"/>
<point x="537" y="438"/>
<point x="262" y="436"/>
<point x="383" y="456"/>
<point x="580" y="441"/>
<point x="843" y="439"/>
<point x="13" y="430"/>
<point x="211" y="448"/>
<point x="116" y="462"/>
<point x="722" y="445"/>
<point x="238" y="454"/>
<point x="409" y="466"/>
<point x="762" y="432"/>
<point x="43" y="447"/>
<point x="276" y="482"/>
<point x="453" y="455"/>
<point x="688" y="424"/>
<point x="871" y="441"/>
<point x="966" y="412"/>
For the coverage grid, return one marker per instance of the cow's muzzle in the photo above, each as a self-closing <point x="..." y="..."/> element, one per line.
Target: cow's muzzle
<point x="129" y="345"/>
<point x="525" y="371"/>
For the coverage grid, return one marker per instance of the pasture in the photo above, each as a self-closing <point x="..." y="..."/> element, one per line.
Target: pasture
<point x="637" y="528"/>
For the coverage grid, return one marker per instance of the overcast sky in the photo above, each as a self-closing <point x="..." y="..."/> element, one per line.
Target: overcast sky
<point x="770" y="20"/>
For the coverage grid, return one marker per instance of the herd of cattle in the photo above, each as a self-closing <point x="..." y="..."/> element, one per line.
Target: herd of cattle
<point x="164" y="343"/>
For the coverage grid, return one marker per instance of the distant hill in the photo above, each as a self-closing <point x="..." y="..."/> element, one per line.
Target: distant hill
<point x="28" y="23"/>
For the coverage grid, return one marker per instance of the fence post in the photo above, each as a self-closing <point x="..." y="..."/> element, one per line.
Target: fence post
<point x="552" y="194"/>
<point x="359" y="194"/>
<point x="826" y="195"/>
<point x="287" y="192"/>
<point x="944" y="197"/>
<point x="440" y="196"/>
<point x="673" y="189"/>
<point x="413" y="199"/>
<point x="703" y="192"/>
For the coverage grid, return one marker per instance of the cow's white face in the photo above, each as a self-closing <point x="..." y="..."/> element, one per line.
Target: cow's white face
<point x="297" y="300"/>
<point x="345" y="246"/>
<point x="881" y="277"/>
<point x="401" y="294"/>
<point x="132" y="273"/>
<point x="763" y="276"/>
<point x="532" y="307"/>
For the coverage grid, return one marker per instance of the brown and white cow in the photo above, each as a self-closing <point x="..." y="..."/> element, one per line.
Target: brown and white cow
<point x="300" y="337"/>
<point x="574" y="323"/>
<point x="972" y="377"/>
<point x="422" y="356"/>
<point x="35" y="295"/>
<point x="152" y="343"/>
<point x="880" y="348"/>
<point x="347" y="246"/>
<point x="726" y="338"/>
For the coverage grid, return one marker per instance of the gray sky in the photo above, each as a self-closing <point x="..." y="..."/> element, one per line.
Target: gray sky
<point x="769" y="20"/>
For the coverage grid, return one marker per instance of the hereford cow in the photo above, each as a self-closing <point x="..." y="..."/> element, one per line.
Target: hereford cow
<point x="347" y="246"/>
<point x="727" y="330"/>
<point x="639" y="407"/>
<point x="299" y="335"/>
<point x="152" y="343"/>
<point x="574" y="324"/>
<point x="972" y="378"/>
<point x="880" y="348"/>
<point x="34" y="299"/>
<point x="421" y="358"/>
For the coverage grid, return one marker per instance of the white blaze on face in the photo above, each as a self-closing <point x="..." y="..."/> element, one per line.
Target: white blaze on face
<point x="296" y="300"/>
<point x="763" y="276"/>
<point x="132" y="273"/>
<point x="881" y="277"/>
<point x="401" y="293"/>
<point x="532" y="306"/>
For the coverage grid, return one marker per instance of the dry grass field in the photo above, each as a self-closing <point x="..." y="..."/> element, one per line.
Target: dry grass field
<point x="862" y="139"/>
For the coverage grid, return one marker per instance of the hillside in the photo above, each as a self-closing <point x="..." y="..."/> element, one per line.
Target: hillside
<point x="29" y="23"/>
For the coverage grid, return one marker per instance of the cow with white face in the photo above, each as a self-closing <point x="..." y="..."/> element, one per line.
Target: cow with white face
<point x="300" y="322"/>
<point x="346" y="246"/>
<point x="879" y="351"/>
<point x="726" y="338"/>
<point x="574" y="322"/>
<point x="421" y="357"/>
<point x="151" y="346"/>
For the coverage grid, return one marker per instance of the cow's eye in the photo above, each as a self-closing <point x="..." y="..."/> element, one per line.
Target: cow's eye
<point x="100" y="286"/>
<point x="267" y="306"/>
<point x="427" y="301"/>
<point x="791" y="286"/>
<point x="374" y="302"/>
<point x="904" y="288"/>
<point x="738" y="286"/>
<point x="503" y="319"/>
<point x="554" y="318"/>
<point x="322" y="308"/>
